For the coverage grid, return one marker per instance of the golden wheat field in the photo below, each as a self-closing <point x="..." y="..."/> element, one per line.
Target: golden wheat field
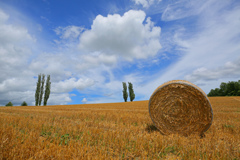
<point x="113" y="131"/>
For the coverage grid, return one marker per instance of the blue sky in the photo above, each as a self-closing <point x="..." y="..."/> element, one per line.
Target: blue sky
<point x="90" y="47"/>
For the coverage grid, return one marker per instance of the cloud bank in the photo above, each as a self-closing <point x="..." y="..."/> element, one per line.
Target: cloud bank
<point x="128" y="36"/>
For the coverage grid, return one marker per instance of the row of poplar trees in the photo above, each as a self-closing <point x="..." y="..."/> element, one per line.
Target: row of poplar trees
<point x="40" y="90"/>
<point x="130" y="90"/>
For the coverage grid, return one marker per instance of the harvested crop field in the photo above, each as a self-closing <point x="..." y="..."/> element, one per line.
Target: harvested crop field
<point x="113" y="131"/>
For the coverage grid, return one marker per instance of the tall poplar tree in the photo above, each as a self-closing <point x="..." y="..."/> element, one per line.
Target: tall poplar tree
<point x="42" y="89"/>
<point x="131" y="92"/>
<point x="47" y="90"/>
<point x="125" y="94"/>
<point x="38" y="90"/>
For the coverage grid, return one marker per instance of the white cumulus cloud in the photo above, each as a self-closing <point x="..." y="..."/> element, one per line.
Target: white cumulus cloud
<point x="84" y="100"/>
<point x="129" y="36"/>
<point x="19" y="65"/>
<point x="59" y="98"/>
<point x="229" y="70"/>
<point x="15" y="49"/>
<point x="70" y="84"/>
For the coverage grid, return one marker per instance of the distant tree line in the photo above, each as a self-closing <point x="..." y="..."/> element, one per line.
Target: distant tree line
<point x="130" y="90"/>
<point x="231" y="88"/>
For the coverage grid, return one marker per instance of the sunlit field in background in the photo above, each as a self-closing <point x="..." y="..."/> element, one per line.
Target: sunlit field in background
<point x="113" y="131"/>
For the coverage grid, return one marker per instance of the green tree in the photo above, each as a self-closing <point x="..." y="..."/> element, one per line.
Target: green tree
<point x="9" y="104"/>
<point x="131" y="91"/>
<point x="41" y="89"/>
<point x="223" y="88"/>
<point x="38" y="90"/>
<point x="210" y="94"/>
<point x="214" y="92"/>
<point x="238" y="92"/>
<point x="226" y="89"/>
<point x="125" y="94"/>
<point x="24" y="103"/>
<point x="230" y="88"/>
<point x="236" y="88"/>
<point x="217" y="92"/>
<point x="47" y="90"/>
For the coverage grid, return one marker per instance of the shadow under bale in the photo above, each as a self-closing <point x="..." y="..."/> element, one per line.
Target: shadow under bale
<point x="151" y="128"/>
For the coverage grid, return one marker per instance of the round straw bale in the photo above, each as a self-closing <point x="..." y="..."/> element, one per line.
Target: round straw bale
<point x="180" y="107"/>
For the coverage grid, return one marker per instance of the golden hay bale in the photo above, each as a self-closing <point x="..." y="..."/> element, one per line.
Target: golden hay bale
<point x="180" y="107"/>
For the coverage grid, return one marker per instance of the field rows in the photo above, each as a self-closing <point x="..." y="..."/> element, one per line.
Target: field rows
<point x="113" y="131"/>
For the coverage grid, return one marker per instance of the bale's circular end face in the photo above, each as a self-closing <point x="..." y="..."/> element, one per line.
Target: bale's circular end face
<point x="180" y="107"/>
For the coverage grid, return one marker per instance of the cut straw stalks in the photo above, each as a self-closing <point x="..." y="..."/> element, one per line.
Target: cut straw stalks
<point x="180" y="107"/>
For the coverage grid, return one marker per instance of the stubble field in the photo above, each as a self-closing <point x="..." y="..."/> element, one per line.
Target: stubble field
<point x="113" y="131"/>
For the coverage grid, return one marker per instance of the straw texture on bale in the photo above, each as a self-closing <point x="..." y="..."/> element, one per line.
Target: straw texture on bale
<point x="180" y="107"/>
